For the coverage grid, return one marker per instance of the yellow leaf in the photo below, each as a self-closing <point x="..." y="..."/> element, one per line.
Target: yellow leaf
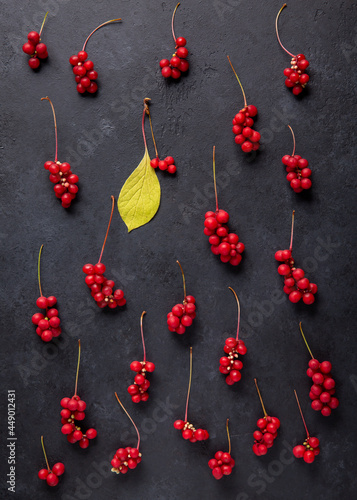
<point x="139" y="198"/>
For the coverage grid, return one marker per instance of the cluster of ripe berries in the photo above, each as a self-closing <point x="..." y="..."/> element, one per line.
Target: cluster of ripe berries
<point x="242" y="129"/>
<point x="47" y="325"/>
<point x="73" y="409"/>
<point x="230" y="365"/>
<point x="298" y="172"/>
<point x="265" y="435"/>
<point x="167" y="164"/>
<point x="138" y="390"/>
<point x="308" y="450"/>
<point x="221" y="465"/>
<point x="34" y="48"/>
<point x="177" y="64"/>
<point x="65" y="182"/>
<point x="101" y="288"/>
<point x="125" y="459"/>
<point x="296" y="78"/>
<point x="188" y="431"/>
<point x="51" y="476"/>
<point x="182" y="315"/>
<point x="323" y="387"/>
<point x="84" y="73"/>
<point x="295" y="283"/>
<point x="222" y="242"/>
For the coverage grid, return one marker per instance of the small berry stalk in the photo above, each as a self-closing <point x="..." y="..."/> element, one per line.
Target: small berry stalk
<point x="188" y="431"/>
<point x="65" y="182"/>
<point x="83" y="68"/>
<point x="230" y="365"/>
<point x="182" y="315"/>
<point x="222" y="463"/>
<point x="50" y="475"/>
<point x="102" y="289"/>
<point x="323" y="389"/>
<point x="297" y="167"/>
<point x="310" y="447"/>
<point x="243" y="122"/>
<point x="138" y="390"/>
<point x="35" y="48"/>
<point x="126" y="458"/>
<point x="177" y="64"/>
<point x="48" y="324"/>
<point x="267" y="430"/>
<point x="223" y="243"/>
<point x="296" y="285"/>
<point x="296" y="77"/>
<point x="72" y="411"/>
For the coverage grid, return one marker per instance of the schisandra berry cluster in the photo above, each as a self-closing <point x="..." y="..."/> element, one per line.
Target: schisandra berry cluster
<point x="230" y="365"/>
<point x="323" y="387"/>
<point x="182" y="315"/>
<point x="125" y="459"/>
<point x="245" y="136"/>
<point x="102" y="288"/>
<point x="298" y="173"/>
<point x="48" y="324"/>
<point x="65" y="182"/>
<point x="221" y="465"/>
<point x="138" y="390"/>
<point x="177" y="64"/>
<point x="222" y="242"/>
<point x="51" y="476"/>
<point x="35" y="48"/>
<point x="85" y="75"/>
<point x="265" y="435"/>
<point x="188" y="431"/>
<point x="296" y="78"/>
<point x="72" y="410"/>
<point x="308" y="450"/>
<point x="167" y="164"/>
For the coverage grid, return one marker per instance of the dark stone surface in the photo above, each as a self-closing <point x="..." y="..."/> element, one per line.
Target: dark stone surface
<point x="101" y="138"/>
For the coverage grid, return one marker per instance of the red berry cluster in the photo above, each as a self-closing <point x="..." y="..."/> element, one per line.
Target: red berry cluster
<point x="48" y="324"/>
<point x="295" y="283"/>
<point x="243" y="131"/>
<point x="65" y="182"/>
<point x="73" y="409"/>
<point x="125" y="459"/>
<point x="167" y="164"/>
<point x="222" y="242"/>
<point x="230" y="365"/>
<point x="35" y="48"/>
<point x="138" y="390"/>
<point x="221" y="465"/>
<point x="323" y="387"/>
<point x="188" y="431"/>
<point x="296" y="78"/>
<point x="308" y="450"/>
<point x="265" y="435"/>
<point x="50" y="475"/>
<point x="85" y="75"/>
<point x="177" y="64"/>
<point x="182" y="315"/>
<point x="102" y="288"/>
<point x="298" y="173"/>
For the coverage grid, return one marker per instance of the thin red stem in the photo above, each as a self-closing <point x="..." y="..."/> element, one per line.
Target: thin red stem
<point x="292" y="231"/>
<point x="147" y="110"/>
<point x="184" y="283"/>
<point x="172" y="22"/>
<point x="142" y="333"/>
<point x="39" y="270"/>
<point x="44" y="452"/>
<point x="55" y="122"/>
<point x="143" y="128"/>
<point x="277" y="32"/>
<point x="189" y="385"/>
<point x="131" y="420"/>
<point x="260" y="397"/>
<point x="302" y="416"/>
<point x="43" y="23"/>
<point x="238" y="305"/>
<point x="292" y="133"/>
<point x="307" y="345"/>
<point x="214" y="176"/>
<point x="97" y="28"/>
<point x="241" y="86"/>
<point x="78" y="363"/>
<point x="106" y="234"/>
<point x="229" y="438"/>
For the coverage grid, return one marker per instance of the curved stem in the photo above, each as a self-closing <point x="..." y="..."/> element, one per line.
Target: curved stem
<point x="307" y="345"/>
<point x="229" y="438"/>
<point x="292" y="231"/>
<point x="189" y="385"/>
<point x="55" y="122"/>
<point x="44" y="452"/>
<point x="277" y="32"/>
<point x="131" y="420"/>
<point x="97" y="28"/>
<point x="143" y="129"/>
<point x="142" y="333"/>
<point x="238" y="304"/>
<point x="302" y="416"/>
<point x="184" y="282"/>
<point x="260" y="397"/>
<point x="172" y="22"/>
<point x="39" y="270"/>
<point x="106" y="234"/>
<point x="43" y="23"/>
<point x="292" y="132"/>
<point x="214" y="176"/>
<point x="241" y="86"/>
<point x="147" y="111"/>
<point x="78" y="362"/>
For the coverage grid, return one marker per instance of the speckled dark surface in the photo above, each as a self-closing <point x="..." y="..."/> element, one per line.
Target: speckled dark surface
<point x="101" y="138"/>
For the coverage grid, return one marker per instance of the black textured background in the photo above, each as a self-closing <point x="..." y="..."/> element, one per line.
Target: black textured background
<point x="101" y="138"/>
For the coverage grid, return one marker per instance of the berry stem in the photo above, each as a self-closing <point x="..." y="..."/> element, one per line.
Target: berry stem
<point x="229" y="438"/>
<point x="39" y="270"/>
<point x="260" y="397"/>
<point x="292" y="132"/>
<point x="97" y="28"/>
<point x="142" y="333"/>
<point x="241" y="86"/>
<point x="43" y="23"/>
<point x="147" y="111"/>
<point x="189" y="385"/>
<point x="184" y="282"/>
<point x="143" y="129"/>
<point x="106" y="234"/>
<point x="55" y="122"/>
<point x="78" y="362"/>
<point x="277" y="32"/>
<point x="214" y="176"/>
<point x="172" y="22"/>
<point x="302" y="416"/>
<point x="307" y="345"/>
<point x="131" y="420"/>
<point x="238" y="304"/>
<point x="44" y="452"/>
<point x="292" y="231"/>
